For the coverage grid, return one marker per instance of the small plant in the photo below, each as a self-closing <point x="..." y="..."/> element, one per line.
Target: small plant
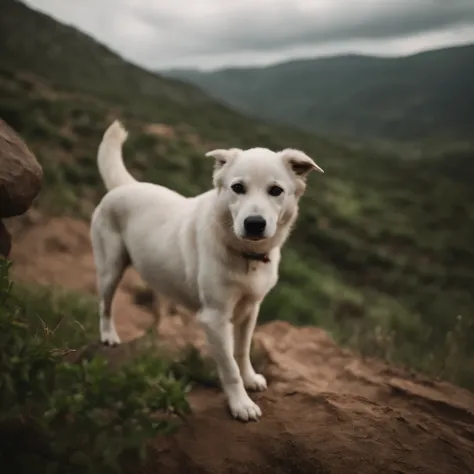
<point x="193" y="368"/>
<point x="58" y="416"/>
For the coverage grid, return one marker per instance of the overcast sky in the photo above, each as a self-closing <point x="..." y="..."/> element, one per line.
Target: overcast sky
<point x="159" y="34"/>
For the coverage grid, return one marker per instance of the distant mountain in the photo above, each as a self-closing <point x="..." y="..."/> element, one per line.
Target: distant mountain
<point x="425" y="97"/>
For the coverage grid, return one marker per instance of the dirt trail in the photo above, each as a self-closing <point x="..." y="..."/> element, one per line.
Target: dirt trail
<point x="326" y="411"/>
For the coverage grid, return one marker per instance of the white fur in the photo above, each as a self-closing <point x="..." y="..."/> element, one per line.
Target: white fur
<point x="190" y="249"/>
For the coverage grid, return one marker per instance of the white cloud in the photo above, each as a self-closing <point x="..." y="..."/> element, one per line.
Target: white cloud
<point x="212" y="33"/>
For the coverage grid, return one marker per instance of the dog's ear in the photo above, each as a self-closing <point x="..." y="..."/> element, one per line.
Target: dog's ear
<point x="300" y="165"/>
<point x="222" y="156"/>
<point x="299" y="162"/>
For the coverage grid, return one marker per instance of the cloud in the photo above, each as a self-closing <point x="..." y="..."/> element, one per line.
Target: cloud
<point x="159" y="34"/>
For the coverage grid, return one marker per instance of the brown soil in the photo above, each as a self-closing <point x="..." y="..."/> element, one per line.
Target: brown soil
<point x="326" y="410"/>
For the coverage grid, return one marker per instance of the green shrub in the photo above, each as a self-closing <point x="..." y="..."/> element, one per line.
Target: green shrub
<point x="59" y="416"/>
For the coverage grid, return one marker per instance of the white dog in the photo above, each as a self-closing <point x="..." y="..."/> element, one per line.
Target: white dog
<point x="216" y="253"/>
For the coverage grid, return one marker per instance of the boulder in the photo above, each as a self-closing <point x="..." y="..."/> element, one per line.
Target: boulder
<point x="20" y="173"/>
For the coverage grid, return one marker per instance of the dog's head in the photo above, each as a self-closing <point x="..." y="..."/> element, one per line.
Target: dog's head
<point x="258" y="190"/>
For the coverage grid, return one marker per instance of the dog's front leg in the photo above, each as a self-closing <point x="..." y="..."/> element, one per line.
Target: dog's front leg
<point x="219" y="332"/>
<point x="244" y="328"/>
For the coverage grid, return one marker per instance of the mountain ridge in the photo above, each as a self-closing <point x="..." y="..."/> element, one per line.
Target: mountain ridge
<point x="424" y="98"/>
<point x="311" y="59"/>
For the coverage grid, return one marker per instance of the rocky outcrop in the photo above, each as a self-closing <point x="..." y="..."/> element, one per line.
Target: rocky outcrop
<point x="20" y="180"/>
<point x="325" y="411"/>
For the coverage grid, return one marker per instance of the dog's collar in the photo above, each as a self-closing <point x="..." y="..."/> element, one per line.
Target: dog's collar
<point x="259" y="257"/>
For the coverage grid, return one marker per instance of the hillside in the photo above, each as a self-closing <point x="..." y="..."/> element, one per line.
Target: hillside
<point x="92" y="67"/>
<point x="382" y="255"/>
<point x="426" y="98"/>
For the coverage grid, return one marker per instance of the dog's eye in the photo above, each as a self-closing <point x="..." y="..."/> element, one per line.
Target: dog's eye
<point x="275" y="190"/>
<point x="238" y="188"/>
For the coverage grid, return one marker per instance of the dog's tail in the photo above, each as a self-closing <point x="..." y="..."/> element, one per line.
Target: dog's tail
<point x="110" y="160"/>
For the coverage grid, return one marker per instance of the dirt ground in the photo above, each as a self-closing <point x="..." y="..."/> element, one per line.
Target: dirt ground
<point x="326" y="410"/>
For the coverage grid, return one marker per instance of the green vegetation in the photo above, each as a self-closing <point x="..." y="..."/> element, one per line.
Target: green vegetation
<point x="400" y="103"/>
<point x="382" y="255"/>
<point x="60" y="416"/>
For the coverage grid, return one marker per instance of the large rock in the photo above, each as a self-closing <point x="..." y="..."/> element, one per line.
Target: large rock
<point x="20" y="174"/>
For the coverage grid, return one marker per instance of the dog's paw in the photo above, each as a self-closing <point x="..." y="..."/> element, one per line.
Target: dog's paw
<point x="108" y="333"/>
<point x="109" y="344"/>
<point x="255" y="382"/>
<point x="110" y="338"/>
<point x="245" y="409"/>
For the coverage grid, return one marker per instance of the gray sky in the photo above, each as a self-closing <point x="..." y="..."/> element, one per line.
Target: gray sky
<point x="212" y="33"/>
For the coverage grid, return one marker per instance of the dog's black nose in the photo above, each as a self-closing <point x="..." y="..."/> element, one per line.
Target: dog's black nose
<point x="254" y="226"/>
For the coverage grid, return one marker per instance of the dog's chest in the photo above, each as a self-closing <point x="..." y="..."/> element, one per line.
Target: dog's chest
<point x="257" y="278"/>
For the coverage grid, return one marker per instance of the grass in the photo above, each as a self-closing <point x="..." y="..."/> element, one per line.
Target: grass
<point x="60" y="415"/>
<point x="382" y="255"/>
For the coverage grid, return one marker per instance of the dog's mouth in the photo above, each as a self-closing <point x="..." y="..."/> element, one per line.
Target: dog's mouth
<point x="253" y="238"/>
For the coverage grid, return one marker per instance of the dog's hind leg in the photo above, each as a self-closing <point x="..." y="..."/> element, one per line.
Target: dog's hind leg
<point x="111" y="260"/>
